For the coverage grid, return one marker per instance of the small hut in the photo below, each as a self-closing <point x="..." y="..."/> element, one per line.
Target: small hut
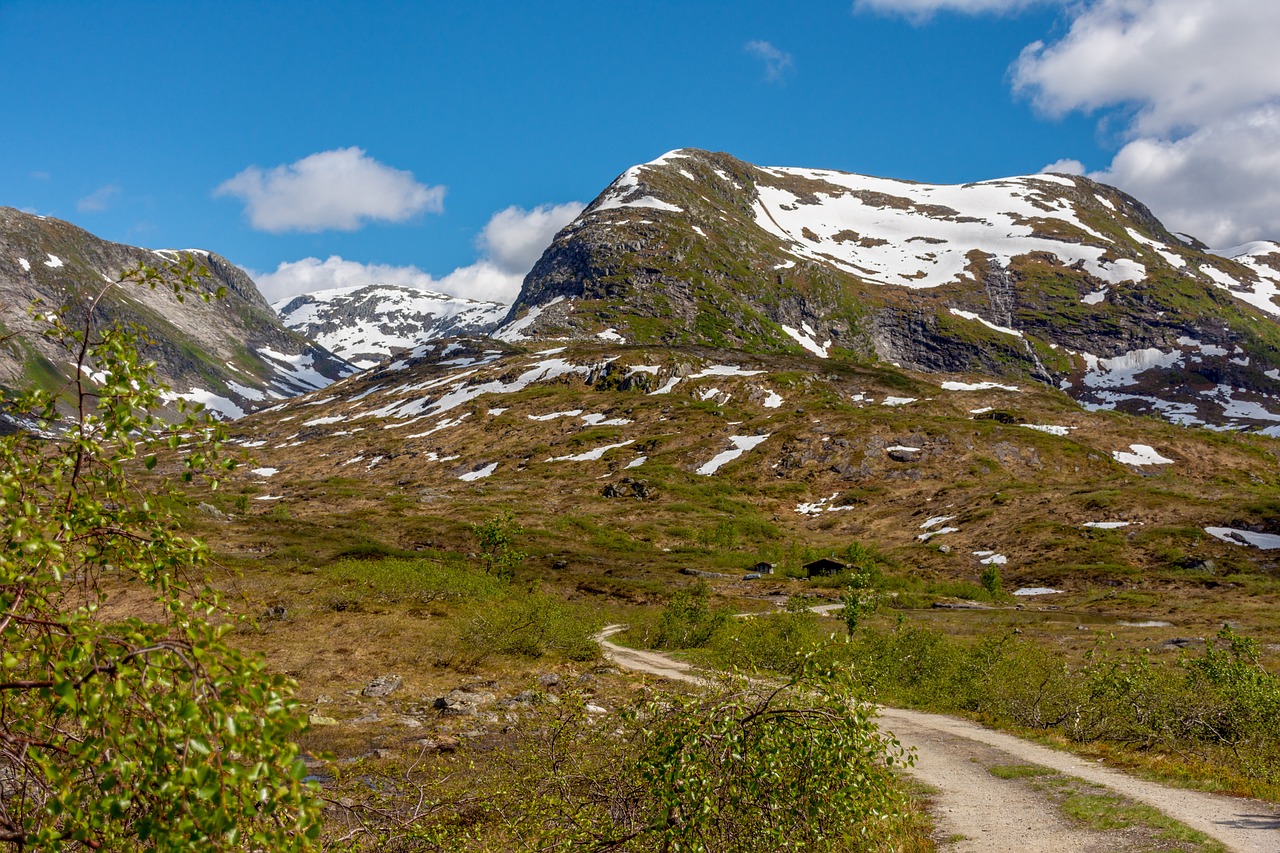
<point x="824" y="568"/>
<point x="763" y="568"/>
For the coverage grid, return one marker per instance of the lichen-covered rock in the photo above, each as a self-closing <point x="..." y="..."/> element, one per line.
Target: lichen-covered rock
<point x="382" y="686"/>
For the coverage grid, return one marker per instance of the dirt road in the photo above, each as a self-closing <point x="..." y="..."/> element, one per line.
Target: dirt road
<point x="653" y="663"/>
<point x="993" y="814"/>
<point x="976" y="811"/>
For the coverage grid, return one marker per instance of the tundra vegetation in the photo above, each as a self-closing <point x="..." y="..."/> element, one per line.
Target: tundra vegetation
<point x="139" y="710"/>
<point x="130" y="719"/>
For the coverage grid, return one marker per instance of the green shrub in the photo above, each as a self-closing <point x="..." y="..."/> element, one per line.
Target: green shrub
<point x="135" y="732"/>
<point x="497" y="537"/>
<point x="990" y="579"/>
<point x="688" y="621"/>
<point x="734" y="768"/>
<point x="1220" y="707"/>
<point x="775" y="642"/>
<point x="530" y="625"/>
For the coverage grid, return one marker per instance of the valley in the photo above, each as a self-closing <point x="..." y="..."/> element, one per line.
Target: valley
<point x="1036" y="430"/>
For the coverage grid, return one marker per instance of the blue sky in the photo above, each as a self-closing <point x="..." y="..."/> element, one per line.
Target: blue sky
<point x="440" y="144"/>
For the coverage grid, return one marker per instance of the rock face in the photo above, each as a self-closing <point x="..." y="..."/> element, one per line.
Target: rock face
<point x="232" y="354"/>
<point x="1051" y="278"/>
<point x="365" y="325"/>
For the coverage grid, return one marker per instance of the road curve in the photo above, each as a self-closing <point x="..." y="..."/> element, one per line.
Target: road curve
<point x="984" y="810"/>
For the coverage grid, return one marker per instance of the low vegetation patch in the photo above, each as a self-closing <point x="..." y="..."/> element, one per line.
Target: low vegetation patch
<point x="1097" y="808"/>
<point x="736" y="768"/>
<point x="1216" y="708"/>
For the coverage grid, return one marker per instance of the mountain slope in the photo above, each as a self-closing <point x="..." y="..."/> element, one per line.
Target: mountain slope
<point x="638" y="459"/>
<point x="366" y="324"/>
<point x="689" y="390"/>
<point x="1047" y="277"/>
<point x="231" y="354"/>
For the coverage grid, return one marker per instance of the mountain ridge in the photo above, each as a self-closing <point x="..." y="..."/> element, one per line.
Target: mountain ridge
<point x="231" y="354"/>
<point x="366" y="324"/>
<point x="1052" y="277"/>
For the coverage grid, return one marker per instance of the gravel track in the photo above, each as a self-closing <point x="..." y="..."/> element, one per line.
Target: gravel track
<point x="985" y="813"/>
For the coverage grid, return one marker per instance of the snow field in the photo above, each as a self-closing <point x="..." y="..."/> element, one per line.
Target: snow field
<point x="914" y="234"/>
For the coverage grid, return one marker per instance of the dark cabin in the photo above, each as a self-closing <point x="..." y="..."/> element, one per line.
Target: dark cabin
<point x="763" y="568"/>
<point x="824" y="568"/>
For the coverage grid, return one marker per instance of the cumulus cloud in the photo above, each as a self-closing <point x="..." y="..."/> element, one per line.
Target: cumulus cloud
<point x="1220" y="184"/>
<point x="515" y="238"/>
<point x="1179" y="64"/>
<point x="481" y="280"/>
<point x="338" y="190"/>
<point x="1197" y="89"/>
<point x="310" y="274"/>
<point x="510" y="244"/>
<point x="99" y="199"/>
<point x="1064" y="167"/>
<point x="776" y="62"/>
<point x="922" y="10"/>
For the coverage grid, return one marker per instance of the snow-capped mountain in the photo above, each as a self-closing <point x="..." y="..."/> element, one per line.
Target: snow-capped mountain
<point x="823" y="354"/>
<point x="366" y="324"/>
<point x="232" y="354"/>
<point x="1051" y="277"/>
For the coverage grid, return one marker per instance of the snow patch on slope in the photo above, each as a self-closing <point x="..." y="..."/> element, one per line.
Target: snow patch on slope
<point x="1263" y="541"/>
<point x="629" y="191"/>
<point x="1142" y="454"/>
<point x="741" y="444"/>
<point x="514" y="331"/>
<point x="807" y="341"/>
<point x="919" y="235"/>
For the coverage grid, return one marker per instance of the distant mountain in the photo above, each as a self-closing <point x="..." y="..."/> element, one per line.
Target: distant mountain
<point x="367" y="324"/>
<point x="1049" y="277"/>
<point x="231" y="354"/>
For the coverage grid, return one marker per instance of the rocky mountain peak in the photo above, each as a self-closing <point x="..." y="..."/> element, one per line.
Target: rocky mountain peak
<point x="366" y="324"/>
<point x="1054" y="278"/>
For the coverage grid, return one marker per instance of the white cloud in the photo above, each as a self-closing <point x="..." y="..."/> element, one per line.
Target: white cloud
<point x="310" y="274"/>
<point x="99" y="199"/>
<point x="1198" y="89"/>
<point x="339" y="190"/>
<point x="481" y="280"/>
<point x="511" y="243"/>
<point x="1220" y="184"/>
<point x="922" y="10"/>
<point x="515" y="238"/>
<point x="776" y="62"/>
<point x="1179" y="64"/>
<point x="1064" y="167"/>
